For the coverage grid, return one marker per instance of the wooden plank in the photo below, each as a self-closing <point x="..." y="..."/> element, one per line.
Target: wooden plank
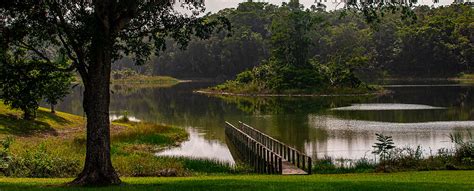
<point x="290" y="169"/>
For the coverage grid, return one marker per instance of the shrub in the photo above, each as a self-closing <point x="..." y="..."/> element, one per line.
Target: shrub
<point x="38" y="162"/>
<point x="383" y="147"/>
<point x="203" y="165"/>
<point x="364" y="165"/>
<point x="144" y="164"/>
<point x="464" y="149"/>
<point x="5" y="156"/>
<point x="326" y="165"/>
<point x="245" y="77"/>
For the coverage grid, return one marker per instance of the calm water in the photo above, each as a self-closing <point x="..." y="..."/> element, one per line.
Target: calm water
<point x="414" y="114"/>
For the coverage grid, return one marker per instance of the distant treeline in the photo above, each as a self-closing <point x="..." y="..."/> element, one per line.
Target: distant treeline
<point x="439" y="43"/>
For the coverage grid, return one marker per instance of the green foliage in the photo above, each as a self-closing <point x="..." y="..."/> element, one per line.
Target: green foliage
<point x="39" y="163"/>
<point x="292" y="66"/>
<point x="24" y="83"/>
<point x="394" y="159"/>
<point x="464" y="151"/>
<point x="383" y="147"/>
<point x="58" y="84"/>
<point x="211" y="166"/>
<point x="23" y="86"/>
<point x="438" y="44"/>
<point x="5" y="156"/>
<point x="245" y="77"/>
<point x="123" y="74"/>
<point x="327" y="165"/>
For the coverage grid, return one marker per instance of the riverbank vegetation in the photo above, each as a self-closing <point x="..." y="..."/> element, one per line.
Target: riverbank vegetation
<point x="395" y="159"/>
<point x="465" y="78"/>
<point x="433" y="180"/>
<point x="53" y="145"/>
<point x="130" y="77"/>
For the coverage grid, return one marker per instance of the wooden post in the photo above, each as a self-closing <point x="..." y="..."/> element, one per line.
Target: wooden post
<point x="288" y="153"/>
<point x="280" y="166"/>
<point x="303" y="163"/>
<point x="272" y="160"/>
<point x="310" y="167"/>
<point x="297" y="159"/>
<point x="292" y="156"/>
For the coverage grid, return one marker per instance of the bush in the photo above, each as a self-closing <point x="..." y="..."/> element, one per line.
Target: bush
<point x="39" y="163"/>
<point x="5" y="156"/>
<point x="464" y="149"/>
<point x="326" y="165"/>
<point x="245" y="77"/>
<point x="144" y="164"/>
<point x="383" y="147"/>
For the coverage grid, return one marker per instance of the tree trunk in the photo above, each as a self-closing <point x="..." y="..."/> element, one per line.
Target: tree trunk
<point x="98" y="169"/>
<point x="52" y="109"/>
<point x="28" y="114"/>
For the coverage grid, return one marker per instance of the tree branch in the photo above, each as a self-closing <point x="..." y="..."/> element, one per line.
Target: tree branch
<point x="37" y="52"/>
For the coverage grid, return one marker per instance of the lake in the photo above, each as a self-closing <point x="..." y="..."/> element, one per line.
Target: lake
<point x="414" y="113"/>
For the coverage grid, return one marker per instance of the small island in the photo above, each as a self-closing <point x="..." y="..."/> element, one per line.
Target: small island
<point x="292" y="71"/>
<point x="300" y="83"/>
<point x="129" y="77"/>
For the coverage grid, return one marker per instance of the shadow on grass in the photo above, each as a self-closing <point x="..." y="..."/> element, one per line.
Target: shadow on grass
<point x="242" y="185"/>
<point x="53" y="117"/>
<point x="16" y="126"/>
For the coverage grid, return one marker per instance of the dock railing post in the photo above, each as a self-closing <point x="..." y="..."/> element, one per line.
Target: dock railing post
<point x="280" y="165"/>
<point x="310" y="167"/>
<point x="265" y="153"/>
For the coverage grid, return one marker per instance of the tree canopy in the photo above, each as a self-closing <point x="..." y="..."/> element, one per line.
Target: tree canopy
<point x="437" y="44"/>
<point x="93" y="34"/>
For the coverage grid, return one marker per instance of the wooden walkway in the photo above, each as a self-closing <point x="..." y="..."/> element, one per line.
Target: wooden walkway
<point x="266" y="154"/>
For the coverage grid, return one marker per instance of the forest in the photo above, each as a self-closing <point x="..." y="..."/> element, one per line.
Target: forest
<point x="438" y="43"/>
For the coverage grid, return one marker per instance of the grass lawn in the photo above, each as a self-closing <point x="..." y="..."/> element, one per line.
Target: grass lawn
<point x="429" y="180"/>
<point x="53" y="145"/>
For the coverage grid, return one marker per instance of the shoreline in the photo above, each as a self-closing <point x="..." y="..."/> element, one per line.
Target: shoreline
<point x="205" y="92"/>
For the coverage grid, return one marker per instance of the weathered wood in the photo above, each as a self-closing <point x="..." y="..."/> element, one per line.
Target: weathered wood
<point x="265" y="153"/>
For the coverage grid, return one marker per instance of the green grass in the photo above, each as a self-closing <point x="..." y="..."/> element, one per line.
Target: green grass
<point x="235" y="88"/>
<point x="55" y="144"/>
<point x="465" y="78"/>
<point x="433" y="180"/>
<point x="147" y="80"/>
<point x="11" y="122"/>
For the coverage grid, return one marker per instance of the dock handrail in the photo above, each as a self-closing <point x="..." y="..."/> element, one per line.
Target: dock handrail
<point x="262" y="158"/>
<point x="288" y="153"/>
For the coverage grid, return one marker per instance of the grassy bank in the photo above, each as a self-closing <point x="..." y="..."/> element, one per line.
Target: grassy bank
<point x="465" y="78"/>
<point x="435" y="180"/>
<point x="54" y="146"/>
<point x="144" y="79"/>
<point x="253" y="89"/>
<point x="128" y="77"/>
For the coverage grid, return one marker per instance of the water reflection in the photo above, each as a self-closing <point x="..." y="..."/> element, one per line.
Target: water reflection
<point x="385" y="106"/>
<point x="199" y="147"/>
<point x="353" y="138"/>
<point x="308" y="124"/>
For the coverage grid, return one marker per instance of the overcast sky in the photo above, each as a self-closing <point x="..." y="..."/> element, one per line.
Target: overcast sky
<point x="216" y="5"/>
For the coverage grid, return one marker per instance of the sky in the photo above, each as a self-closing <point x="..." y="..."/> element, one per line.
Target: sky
<point x="216" y="5"/>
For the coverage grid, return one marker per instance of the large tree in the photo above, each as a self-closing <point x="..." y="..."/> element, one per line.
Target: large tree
<point x="94" y="33"/>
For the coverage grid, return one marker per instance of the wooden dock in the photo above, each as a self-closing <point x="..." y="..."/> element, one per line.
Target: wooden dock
<point x="266" y="154"/>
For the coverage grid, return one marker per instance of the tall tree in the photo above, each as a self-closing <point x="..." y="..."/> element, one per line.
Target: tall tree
<point x="93" y="33"/>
